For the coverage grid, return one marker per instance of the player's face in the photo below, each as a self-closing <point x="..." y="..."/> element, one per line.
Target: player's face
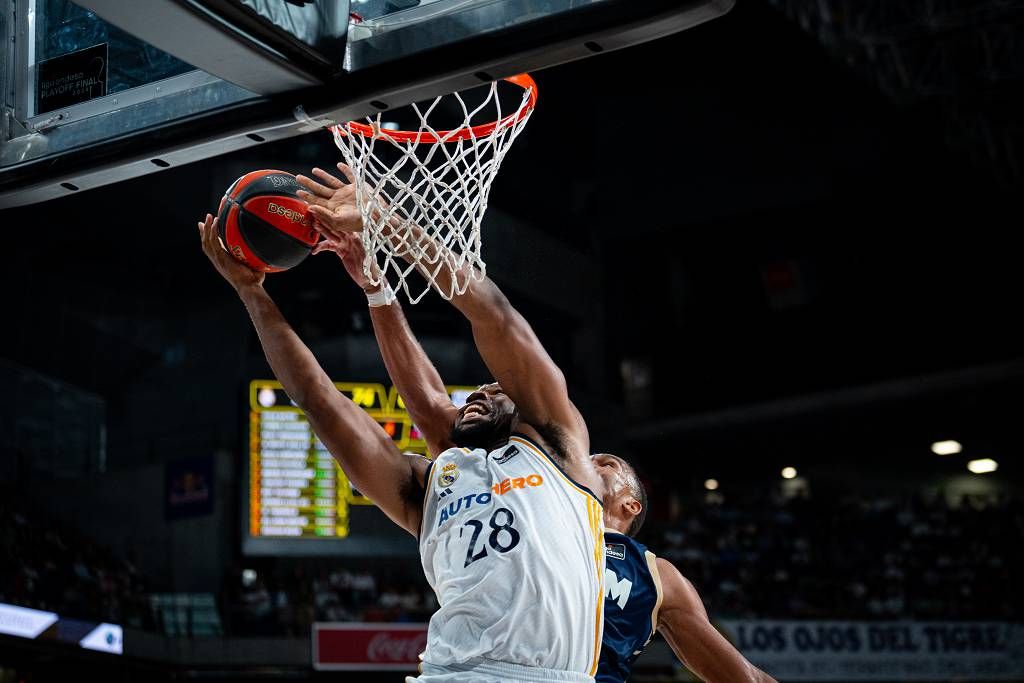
<point x="615" y="474"/>
<point x="486" y="420"/>
<point x="618" y="498"/>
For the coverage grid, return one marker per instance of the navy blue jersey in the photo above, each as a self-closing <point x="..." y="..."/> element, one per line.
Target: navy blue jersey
<point x="631" y="601"/>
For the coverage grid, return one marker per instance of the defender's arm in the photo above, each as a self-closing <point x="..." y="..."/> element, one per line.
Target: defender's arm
<point x="684" y="623"/>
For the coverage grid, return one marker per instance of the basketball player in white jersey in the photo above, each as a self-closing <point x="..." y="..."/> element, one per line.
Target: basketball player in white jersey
<point x="509" y="529"/>
<point x="644" y="593"/>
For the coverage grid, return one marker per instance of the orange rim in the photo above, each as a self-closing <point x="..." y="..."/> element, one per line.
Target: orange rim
<point x="465" y="133"/>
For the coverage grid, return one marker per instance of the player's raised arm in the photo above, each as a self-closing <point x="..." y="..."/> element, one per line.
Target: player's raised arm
<point x="523" y="368"/>
<point x="684" y="623"/>
<point x="394" y="481"/>
<point x="418" y="381"/>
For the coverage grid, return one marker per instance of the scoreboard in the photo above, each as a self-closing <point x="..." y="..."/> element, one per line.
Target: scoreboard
<point x="297" y="492"/>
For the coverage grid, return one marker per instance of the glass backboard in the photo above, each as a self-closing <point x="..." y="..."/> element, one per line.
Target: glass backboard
<point x="97" y="91"/>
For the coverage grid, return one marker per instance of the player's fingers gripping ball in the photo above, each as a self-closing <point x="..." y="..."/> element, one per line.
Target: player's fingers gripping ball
<point x="264" y="224"/>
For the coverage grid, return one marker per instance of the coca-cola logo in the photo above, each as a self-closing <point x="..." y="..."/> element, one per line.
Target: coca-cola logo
<point x="392" y="647"/>
<point x="376" y="647"/>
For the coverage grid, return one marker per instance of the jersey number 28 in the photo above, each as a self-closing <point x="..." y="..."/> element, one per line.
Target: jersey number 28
<point x="494" y="539"/>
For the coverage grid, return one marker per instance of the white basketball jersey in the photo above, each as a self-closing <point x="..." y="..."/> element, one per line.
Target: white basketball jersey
<point x="514" y="550"/>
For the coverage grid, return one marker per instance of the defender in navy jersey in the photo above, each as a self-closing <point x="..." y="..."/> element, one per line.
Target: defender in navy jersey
<point x="631" y="603"/>
<point x="645" y="594"/>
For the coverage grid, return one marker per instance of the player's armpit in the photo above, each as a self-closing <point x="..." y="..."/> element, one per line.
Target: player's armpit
<point x="684" y="623"/>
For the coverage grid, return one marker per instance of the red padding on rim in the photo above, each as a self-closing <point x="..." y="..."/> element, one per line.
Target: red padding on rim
<point x="466" y="133"/>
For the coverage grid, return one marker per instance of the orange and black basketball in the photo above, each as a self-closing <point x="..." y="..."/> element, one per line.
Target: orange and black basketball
<point x="264" y="224"/>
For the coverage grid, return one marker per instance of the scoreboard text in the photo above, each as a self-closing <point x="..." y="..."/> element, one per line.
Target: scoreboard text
<point x="296" y="489"/>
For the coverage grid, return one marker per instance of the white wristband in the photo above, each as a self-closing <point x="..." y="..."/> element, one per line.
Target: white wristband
<point x="384" y="296"/>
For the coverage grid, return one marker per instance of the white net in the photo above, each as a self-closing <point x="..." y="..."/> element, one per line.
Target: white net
<point x="423" y="192"/>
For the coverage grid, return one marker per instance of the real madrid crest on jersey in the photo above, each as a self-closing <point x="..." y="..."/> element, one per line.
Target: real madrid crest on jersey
<point x="449" y="473"/>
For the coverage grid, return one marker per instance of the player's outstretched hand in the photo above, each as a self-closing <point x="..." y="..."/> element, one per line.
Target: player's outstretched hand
<point x="332" y="202"/>
<point x="235" y="272"/>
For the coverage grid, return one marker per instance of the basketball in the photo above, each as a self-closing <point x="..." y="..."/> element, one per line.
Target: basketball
<point x="263" y="223"/>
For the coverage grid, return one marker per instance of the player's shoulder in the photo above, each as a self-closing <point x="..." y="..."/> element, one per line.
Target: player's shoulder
<point x="668" y="573"/>
<point x="678" y="592"/>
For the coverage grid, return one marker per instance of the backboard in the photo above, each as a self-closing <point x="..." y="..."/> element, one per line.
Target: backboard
<point x="98" y="91"/>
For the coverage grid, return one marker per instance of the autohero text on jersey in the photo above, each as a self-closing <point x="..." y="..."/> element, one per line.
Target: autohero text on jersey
<point x="504" y="487"/>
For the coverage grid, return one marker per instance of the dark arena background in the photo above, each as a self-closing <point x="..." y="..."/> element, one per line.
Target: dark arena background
<point x="776" y="256"/>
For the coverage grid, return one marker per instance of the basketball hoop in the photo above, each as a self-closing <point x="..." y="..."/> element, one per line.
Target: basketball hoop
<point x="422" y="193"/>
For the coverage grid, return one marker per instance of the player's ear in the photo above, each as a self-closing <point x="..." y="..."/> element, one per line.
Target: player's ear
<point x="633" y="506"/>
